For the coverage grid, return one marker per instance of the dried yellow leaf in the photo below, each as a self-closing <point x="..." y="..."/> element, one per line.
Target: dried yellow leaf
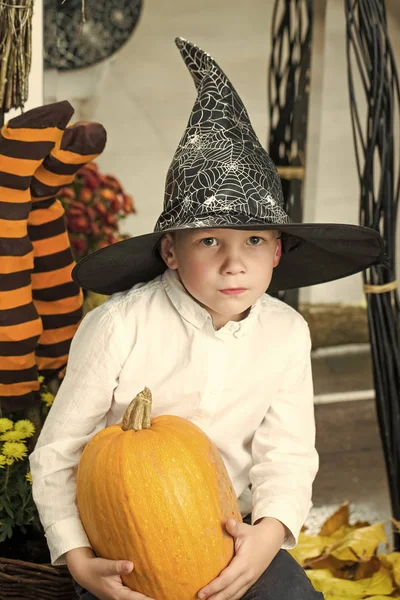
<point x="310" y="546"/>
<point x="345" y="569"/>
<point x="356" y="545"/>
<point x="359" y="545"/>
<point x="326" y="561"/>
<point x="336" y="597"/>
<point x="392" y="563"/>
<point x="344" y="530"/>
<point x="379" y="584"/>
<point x="339" y="518"/>
<point x="379" y="597"/>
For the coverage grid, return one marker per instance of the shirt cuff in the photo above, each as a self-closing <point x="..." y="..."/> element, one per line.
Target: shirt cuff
<point x="63" y="536"/>
<point x="286" y="516"/>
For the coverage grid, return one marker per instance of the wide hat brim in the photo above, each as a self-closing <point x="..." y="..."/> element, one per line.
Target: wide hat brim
<point x="312" y="254"/>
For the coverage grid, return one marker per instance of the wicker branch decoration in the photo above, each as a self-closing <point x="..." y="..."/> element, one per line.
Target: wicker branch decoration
<point x="15" y="52"/>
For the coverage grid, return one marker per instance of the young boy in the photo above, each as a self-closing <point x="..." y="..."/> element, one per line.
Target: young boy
<point x="189" y="317"/>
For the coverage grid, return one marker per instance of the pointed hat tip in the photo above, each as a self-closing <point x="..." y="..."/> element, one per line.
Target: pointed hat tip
<point x="183" y="43"/>
<point x="179" y="41"/>
<point x="201" y="64"/>
<point x="196" y="60"/>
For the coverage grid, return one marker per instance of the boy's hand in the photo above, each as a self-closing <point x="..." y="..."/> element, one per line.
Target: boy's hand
<point x="101" y="577"/>
<point x="255" y="548"/>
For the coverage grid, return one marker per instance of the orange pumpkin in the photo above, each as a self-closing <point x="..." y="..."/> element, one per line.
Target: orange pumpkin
<point x="157" y="492"/>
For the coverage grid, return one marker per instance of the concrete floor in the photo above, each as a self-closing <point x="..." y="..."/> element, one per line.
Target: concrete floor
<point x="351" y="460"/>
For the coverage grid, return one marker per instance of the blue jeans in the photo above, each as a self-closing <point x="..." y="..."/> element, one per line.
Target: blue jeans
<point x="284" y="579"/>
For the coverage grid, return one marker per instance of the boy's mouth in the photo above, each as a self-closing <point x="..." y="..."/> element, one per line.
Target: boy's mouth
<point x="233" y="291"/>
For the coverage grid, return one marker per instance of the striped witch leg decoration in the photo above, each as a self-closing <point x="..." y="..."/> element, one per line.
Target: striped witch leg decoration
<point x="24" y="143"/>
<point x="57" y="298"/>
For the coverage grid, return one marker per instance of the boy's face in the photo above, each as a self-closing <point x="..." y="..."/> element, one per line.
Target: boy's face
<point x="225" y="270"/>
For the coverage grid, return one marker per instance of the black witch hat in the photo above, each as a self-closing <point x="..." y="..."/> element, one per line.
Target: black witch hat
<point x="221" y="177"/>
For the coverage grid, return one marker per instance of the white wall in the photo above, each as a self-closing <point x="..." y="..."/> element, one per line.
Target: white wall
<point x="336" y="193"/>
<point x="143" y="96"/>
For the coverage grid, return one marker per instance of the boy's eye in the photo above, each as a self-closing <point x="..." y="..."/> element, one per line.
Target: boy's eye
<point x="208" y="241"/>
<point x="255" y="240"/>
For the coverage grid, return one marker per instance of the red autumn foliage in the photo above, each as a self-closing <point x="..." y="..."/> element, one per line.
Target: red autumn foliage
<point x="85" y="195"/>
<point x="94" y="204"/>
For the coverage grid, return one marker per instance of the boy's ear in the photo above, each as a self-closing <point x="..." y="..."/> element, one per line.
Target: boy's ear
<point x="167" y="251"/>
<point x="278" y="252"/>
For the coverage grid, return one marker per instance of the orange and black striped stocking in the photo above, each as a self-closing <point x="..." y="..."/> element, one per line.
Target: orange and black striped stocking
<point x="24" y="143"/>
<point x="57" y="297"/>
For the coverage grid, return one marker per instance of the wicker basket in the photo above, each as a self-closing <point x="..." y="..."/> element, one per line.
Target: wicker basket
<point x="21" y="580"/>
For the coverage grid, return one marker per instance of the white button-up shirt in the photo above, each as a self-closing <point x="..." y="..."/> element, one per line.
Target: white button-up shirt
<point x="248" y="386"/>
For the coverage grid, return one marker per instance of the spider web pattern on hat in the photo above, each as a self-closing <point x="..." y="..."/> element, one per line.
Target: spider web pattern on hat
<point x="220" y="174"/>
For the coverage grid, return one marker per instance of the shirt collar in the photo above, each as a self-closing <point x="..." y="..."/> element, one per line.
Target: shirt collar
<point x="198" y="316"/>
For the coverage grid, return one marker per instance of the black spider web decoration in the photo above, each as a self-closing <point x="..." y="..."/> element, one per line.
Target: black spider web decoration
<point x="288" y="95"/>
<point x="70" y="44"/>
<point x="220" y="174"/>
<point x="370" y="58"/>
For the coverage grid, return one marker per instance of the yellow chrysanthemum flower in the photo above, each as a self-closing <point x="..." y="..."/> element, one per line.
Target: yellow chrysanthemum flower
<point x="40" y="379"/>
<point x="15" y="450"/>
<point x="25" y="427"/>
<point x="3" y="461"/>
<point x="12" y="436"/>
<point x="48" y="398"/>
<point x="9" y="461"/>
<point x="29" y="477"/>
<point x="5" y="425"/>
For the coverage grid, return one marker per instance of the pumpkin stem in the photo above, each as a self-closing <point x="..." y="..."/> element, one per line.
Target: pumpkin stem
<point x="138" y="414"/>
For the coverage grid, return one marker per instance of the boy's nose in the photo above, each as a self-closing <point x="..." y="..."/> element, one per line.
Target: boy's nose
<point x="233" y="264"/>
